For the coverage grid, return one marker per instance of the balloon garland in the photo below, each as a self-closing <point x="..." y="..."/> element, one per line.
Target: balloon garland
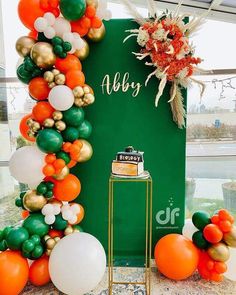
<point x="60" y="32"/>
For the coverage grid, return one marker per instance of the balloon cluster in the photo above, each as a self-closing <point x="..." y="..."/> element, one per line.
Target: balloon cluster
<point x="214" y="236"/>
<point x="60" y="32"/>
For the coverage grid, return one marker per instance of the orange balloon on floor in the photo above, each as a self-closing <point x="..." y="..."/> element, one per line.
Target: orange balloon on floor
<point x="24" y="128"/>
<point x="39" y="272"/>
<point x="71" y="62"/>
<point x="67" y="189"/>
<point x="74" y="78"/>
<point x="14" y="273"/>
<point x="42" y="111"/>
<point x="176" y="257"/>
<point x="38" y="88"/>
<point x="29" y="11"/>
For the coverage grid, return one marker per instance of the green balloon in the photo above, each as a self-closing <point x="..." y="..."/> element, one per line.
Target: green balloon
<point x="23" y="75"/>
<point x="49" y="194"/>
<point x="85" y="130"/>
<point x="36" y="239"/>
<point x="37" y="252"/>
<point x="72" y="9"/>
<point x="78" y="228"/>
<point x="201" y="219"/>
<point x="199" y="240"/>
<point x="64" y="156"/>
<point x="26" y="254"/>
<point x="60" y="223"/>
<point x="6" y="231"/>
<point x="70" y="134"/>
<point x="35" y="224"/>
<point x="57" y="41"/>
<point x="41" y="188"/>
<point x="73" y="116"/>
<point x="67" y="46"/>
<point x="50" y="185"/>
<point x="28" y="246"/>
<point x="49" y="141"/>
<point x="16" y="237"/>
<point x="3" y="245"/>
<point x="18" y="202"/>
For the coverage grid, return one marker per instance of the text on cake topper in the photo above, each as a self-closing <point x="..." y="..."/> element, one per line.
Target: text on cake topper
<point x="120" y="84"/>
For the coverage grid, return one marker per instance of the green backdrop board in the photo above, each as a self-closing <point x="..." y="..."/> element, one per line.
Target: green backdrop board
<point x="124" y="114"/>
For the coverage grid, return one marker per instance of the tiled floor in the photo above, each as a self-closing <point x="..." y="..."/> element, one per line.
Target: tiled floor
<point x="160" y="286"/>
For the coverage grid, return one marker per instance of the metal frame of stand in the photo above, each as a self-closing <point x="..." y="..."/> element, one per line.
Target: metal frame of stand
<point x="148" y="233"/>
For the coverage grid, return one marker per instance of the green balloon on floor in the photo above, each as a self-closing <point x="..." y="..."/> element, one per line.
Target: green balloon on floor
<point x="199" y="240"/>
<point x="16" y="237"/>
<point x="49" y="141"/>
<point x="72" y="9"/>
<point x="73" y="116"/>
<point x="36" y="225"/>
<point x="70" y="134"/>
<point x="85" y="130"/>
<point x="201" y="219"/>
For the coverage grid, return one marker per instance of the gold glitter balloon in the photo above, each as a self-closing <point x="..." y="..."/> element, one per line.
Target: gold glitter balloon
<point x="33" y="202"/>
<point x="60" y="125"/>
<point x="48" y="76"/>
<point x="60" y="79"/>
<point x="230" y="237"/>
<point x="219" y="252"/>
<point x="64" y="172"/>
<point x="42" y="54"/>
<point x="78" y="91"/>
<point x="83" y="53"/>
<point x="69" y="230"/>
<point x="86" y="151"/>
<point x="96" y="35"/>
<point x="49" y="123"/>
<point x="57" y="115"/>
<point x="24" y="45"/>
<point x="50" y="244"/>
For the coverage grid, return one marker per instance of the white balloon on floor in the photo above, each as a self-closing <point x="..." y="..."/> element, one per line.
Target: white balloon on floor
<point x="231" y="265"/>
<point x="189" y="229"/>
<point x="26" y="165"/>
<point x="77" y="264"/>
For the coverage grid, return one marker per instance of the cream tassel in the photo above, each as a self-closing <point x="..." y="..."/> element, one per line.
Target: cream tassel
<point x="178" y="110"/>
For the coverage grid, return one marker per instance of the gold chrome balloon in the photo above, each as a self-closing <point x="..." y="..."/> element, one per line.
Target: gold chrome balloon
<point x="219" y="252"/>
<point x="48" y="76"/>
<point x="60" y="79"/>
<point x="57" y="115"/>
<point x="96" y="35"/>
<point x="42" y="54"/>
<point x="64" y="172"/>
<point x="50" y="243"/>
<point x="230" y="237"/>
<point x="83" y="53"/>
<point x="86" y="151"/>
<point x="33" y="202"/>
<point x="49" y="123"/>
<point x="78" y="91"/>
<point x="60" y="125"/>
<point x="69" y="230"/>
<point x="24" y="45"/>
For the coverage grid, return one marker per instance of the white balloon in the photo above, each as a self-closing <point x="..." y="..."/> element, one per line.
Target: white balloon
<point x="56" y="209"/>
<point x="231" y="265"/>
<point x="67" y="215"/>
<point x="72" y="219"/>
<point x="61" y="98"/>
<point x="26" y="165"/>
<point x="75" y="208"/>
<point x="49" y="219"/>
<point x="77" y="264"/>
<point x="48" y="209"/>
<point x="68" y="37"/>
<point x="78" y="43"/>
<point x="40" y="24"/>
<point x="50" y="17"/>
<point x="189" y="229"/>
<point x="61" y="26"/>
<point x="49" y="33"/>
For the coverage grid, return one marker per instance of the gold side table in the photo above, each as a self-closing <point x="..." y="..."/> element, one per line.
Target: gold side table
<point x="148" y="233"/>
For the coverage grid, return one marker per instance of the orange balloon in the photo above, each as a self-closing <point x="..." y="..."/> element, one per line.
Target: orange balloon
<point x="24" y="128"/>
<point x="33" y="34"/>
<point x="80" y="215"/>
<point x="67" y="189"/>
<point x="14" y="273"/>
<point x="176" y="257"/>
<point x="25" y="214"/>
<point x="71" y="62"/>
<point x="29" y="11"/>
<point x="39" y="272"/>
<point x="77" y="28"/>
<point x="212" y="233"/>
<point x="42" y="110"/>
<point x="75" y="78"/>
<point x="53" y="233"/>
<point x="38" y="88"/>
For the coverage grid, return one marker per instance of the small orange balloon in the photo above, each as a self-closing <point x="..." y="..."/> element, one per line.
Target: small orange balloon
<point x="67" y="189"/>
<point x="75" y="78"/>
<point x="96" y="23"/>
<point x="72" y="164"/>
<point x="212" y="233"/>
<point x="39" y="272"/>
<point x="38" y="88"/>
<point x="24" y="128"/>
<point x="14" y="273"/>
<point x="49" y="170"/>
<point x="71" y="62"/>
<point x="29" y="11"/>
<point x="25" y="214"/>
<point x="176" y="257"/>
<point x="220" y="267"/>
<point x="53" y="233"/>
<point x="77" y="28"/>
<point x="50" y="158"/>
<point x="33" y="34"/>
<point x="42" y="111"/>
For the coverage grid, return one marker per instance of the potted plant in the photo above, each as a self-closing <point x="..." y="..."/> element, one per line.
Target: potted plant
<point x="229" y="193"/>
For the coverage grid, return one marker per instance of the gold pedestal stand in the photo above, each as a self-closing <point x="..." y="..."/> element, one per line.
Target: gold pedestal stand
<point x="148" y="233"/>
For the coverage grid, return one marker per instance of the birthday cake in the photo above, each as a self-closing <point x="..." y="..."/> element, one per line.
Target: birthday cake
<point x="128" y="163"/>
